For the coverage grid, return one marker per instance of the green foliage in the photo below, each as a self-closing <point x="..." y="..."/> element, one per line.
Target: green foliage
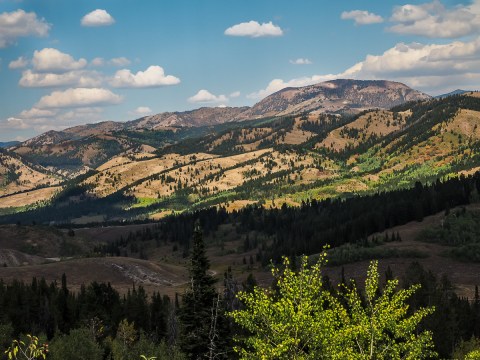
<point x="78" y="345"/>
<point x="290" y="321"/>
<point x="129" y="344"/>
<point x="460" y="229"/>
<point x="6" y="334"/>
<point x="457" y="228"/>
<point x="350" y="253"/>
<point x="469" y="350"/>
<point x="122" y="345"/>
<point x="381" y="327"/>
<point x="154" y="351"/>
<point x="473" y="355"/>
<point x="31" y="349"/>
<point x="299" y="319"/>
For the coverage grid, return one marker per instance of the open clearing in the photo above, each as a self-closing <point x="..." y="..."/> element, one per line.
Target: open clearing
<point x="464" y="275"/>
<point x="122" y="273"/>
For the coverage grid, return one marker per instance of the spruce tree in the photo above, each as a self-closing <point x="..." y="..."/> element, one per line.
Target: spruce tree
<point x="199" y="298"/>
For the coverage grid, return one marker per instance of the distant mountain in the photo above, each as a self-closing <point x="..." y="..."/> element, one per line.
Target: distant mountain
<point x="200" y="117"/>
<point x="451" y="93"/>
<point x="8" y="144"/>
<point x="336" y="96"/>
<point x="204" y="116"/>
<point x="73" y="150"/>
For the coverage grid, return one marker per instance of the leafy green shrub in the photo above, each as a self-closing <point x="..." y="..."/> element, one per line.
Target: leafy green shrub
<point x="299" y="319"/>
<point x="78" y="345"/>
<point x="350" y="253"/>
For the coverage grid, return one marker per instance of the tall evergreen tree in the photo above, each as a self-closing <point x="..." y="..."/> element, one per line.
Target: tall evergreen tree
<point x="196" y="310"/>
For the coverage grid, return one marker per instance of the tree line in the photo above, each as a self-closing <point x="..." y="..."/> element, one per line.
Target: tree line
<point x="422" y="319"/>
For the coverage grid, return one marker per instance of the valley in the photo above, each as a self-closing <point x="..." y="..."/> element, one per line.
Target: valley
<point x="48" y="253"/>
<point x="272" y="180"/>
<point x="270" y="161"/>
<point x="360" y="169"/>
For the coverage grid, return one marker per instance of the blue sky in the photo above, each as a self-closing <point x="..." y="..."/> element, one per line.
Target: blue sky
<point x="66" y="62"/>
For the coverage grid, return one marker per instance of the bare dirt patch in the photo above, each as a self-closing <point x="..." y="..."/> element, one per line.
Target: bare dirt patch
<point x="122" y="273"/>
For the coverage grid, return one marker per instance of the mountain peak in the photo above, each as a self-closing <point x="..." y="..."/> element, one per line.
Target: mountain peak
<point x="335" y="96"/>
<point x="451" y="93"/>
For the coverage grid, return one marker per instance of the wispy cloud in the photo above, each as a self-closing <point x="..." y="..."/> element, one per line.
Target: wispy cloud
<point x="361" y="17"/>
<point x="20" y="63"/>
<point x="301" y="61"/>
<point x="120" y="61"/>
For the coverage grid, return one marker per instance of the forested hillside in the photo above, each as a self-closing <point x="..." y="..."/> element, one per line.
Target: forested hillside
<point x="271" y="161"/>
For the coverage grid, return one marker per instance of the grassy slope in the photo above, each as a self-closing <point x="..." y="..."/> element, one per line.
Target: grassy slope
<point x="291" y="159"/>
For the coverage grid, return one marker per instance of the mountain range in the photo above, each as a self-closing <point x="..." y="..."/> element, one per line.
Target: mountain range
<point x="331" y="139"/>
<point x="87" y="146"/>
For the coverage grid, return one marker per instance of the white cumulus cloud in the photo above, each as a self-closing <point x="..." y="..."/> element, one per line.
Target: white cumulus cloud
<point x="79" y="78"/>
<point x="154" y="76"/>
<point x="421" y="60"/>
<point x="53" y="60"/>
<point x="19" y="23"/>
<point x="361" y="17"/>
<point x="78" y="97"/>
<point x="142" y="111"/>
<point x="301" y="61"/>
<point x="205" y="96"/>
<point x="98" y="17"/>
<point x="434" y="20"/>
<point x="433" y="68"/>
<point x="235" y="94"/>
<point x="254" y="29"/>
<point x="20" y="63"/>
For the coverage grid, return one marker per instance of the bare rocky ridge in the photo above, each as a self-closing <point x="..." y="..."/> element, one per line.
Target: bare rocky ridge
<point x="335" y="96"/>
<point x="200" y="117"/>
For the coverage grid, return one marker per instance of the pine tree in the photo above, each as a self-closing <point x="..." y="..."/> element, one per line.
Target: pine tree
<point x="198" y="300"/>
